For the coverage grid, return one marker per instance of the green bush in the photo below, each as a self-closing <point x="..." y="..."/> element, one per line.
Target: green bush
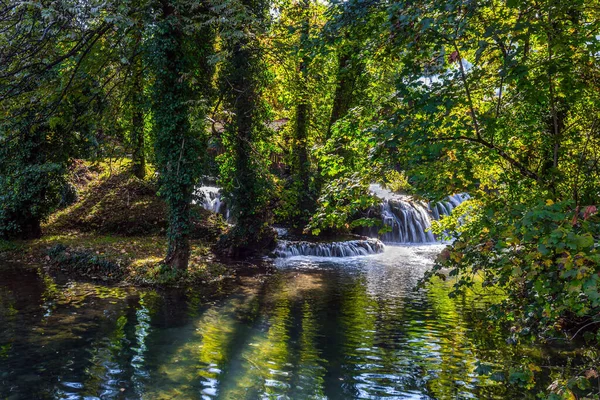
<point x="27" y="196"/>
<point x="341" y="200"/>
<point x="544" y="255"/>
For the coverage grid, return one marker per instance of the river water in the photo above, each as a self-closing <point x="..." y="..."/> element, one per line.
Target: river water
<point x="318" y="328"/>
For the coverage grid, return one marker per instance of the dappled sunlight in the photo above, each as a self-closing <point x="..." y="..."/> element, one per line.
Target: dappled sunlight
<point x="139" y="262"/>
<point x="199" y="354"/>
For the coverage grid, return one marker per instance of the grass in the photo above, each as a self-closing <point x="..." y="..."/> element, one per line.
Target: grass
<point x="111" y="202"/>
<point x="139" y="258"/>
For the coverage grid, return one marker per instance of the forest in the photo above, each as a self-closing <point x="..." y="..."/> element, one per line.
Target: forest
<point x="179" y="143"/>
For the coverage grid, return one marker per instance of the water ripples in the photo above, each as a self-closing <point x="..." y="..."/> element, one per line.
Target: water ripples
<point x="318" y="329"/>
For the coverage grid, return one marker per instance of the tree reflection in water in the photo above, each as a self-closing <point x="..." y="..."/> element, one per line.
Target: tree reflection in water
<point x="318" y="328"/>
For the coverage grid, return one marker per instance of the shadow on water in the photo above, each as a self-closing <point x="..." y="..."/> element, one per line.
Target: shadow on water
<point x="318" y="328"/>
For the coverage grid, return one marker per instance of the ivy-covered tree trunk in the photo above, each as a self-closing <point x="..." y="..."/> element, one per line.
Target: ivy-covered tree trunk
<point x="347" y="82"/>
<point x="301" y="167"/>
<point x="301" y="171"/>
<point x="245" y="176"/>
<point x="137" y="121"/>
<point x="176" y="147"/>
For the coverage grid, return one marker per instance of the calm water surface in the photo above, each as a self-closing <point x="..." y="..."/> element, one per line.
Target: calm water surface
<point x="317" y="329"/>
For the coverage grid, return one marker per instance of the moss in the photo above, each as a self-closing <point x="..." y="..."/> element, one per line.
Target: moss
<point x="117" y="259"/>
<point x="138" y="263"/>
<point x="117" y="203"/>
<point x="6" y="245"/>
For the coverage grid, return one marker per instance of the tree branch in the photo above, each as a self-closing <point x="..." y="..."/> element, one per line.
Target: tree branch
<point x="518" y="165"/>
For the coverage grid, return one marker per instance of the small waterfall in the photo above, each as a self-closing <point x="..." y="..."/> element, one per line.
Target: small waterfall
<point x="349" y="248"/>
<point x="209" y="197"/>
<point x="446" y="206"/>
<point x="281" y="232"/>
<point x="409" y="220"/>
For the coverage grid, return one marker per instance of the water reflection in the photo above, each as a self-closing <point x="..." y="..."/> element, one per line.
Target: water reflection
<point x="319" y="328"/>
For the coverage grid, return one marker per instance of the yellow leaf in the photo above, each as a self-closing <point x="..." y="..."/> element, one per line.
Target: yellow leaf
<point x="534" y="368"/>
<point x="456" y="256"/>
<point x="549" y="202"/>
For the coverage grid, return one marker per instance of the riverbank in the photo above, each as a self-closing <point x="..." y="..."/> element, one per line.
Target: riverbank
<point x="133" y="260"/>
<point x="112" y="229"/>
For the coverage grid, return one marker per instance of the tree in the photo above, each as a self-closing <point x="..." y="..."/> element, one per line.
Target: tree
<point x="362" y="81"/>
<point x="177" y="147"/>
<point x="50" y="84"/>
<point x="348" y="29"/>
<point x="137" y="107"/>
<point x="245" y="176"/>
<point x="301" y="169"/>
<point x="501" y="100"/>
<point x="301" y="91"/>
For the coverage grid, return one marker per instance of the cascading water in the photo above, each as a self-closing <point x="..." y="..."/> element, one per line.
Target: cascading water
<point x="209" y="197"/>
<point x="349" y="248"/>
<point x="445" y="207"/>
<point x="409" y="220"/>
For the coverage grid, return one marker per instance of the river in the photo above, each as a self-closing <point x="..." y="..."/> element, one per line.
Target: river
<point x="317" y="328"/>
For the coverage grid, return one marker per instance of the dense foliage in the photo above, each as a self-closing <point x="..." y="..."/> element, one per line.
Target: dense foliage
<point x="301" y="105"/>
<point x="57" y="74"/>
<point x="502" y="101"/>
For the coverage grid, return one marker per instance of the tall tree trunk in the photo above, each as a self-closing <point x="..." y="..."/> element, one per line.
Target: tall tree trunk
<point x="301" y="161"/>
<point x="176" y="147"/>
<point x="246" y="183"/>
<point x="558" y="111"/>
<point x="137" y="121"/>
<point x="348" y="75"/>
<point x="301" y="169"/>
